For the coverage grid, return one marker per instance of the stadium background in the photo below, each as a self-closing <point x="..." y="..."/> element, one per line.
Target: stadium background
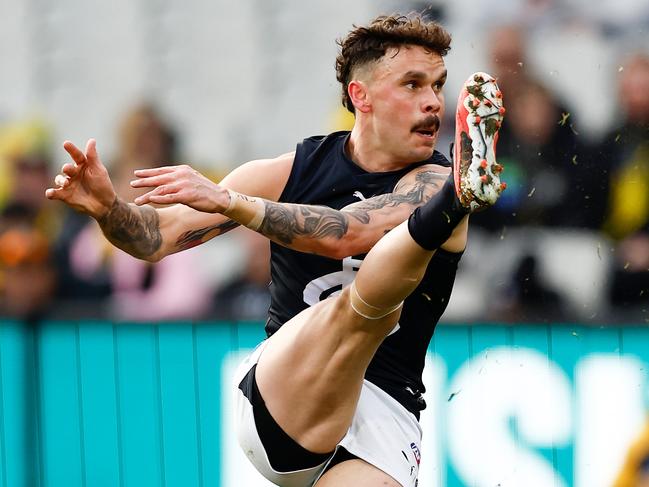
<point x="110" y="368"/>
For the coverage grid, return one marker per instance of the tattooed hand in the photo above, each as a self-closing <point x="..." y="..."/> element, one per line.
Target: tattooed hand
<point x="84" y="184"/>
<point x="180" y="184"/>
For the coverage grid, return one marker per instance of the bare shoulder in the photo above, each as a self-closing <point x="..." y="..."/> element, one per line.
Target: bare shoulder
<point x="265" y="178"/>
<point x="429" y="177"/>
<point x="428" y="170"/>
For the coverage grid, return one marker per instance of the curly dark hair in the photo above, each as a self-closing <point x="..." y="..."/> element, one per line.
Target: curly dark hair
<point x="369" y="43"/>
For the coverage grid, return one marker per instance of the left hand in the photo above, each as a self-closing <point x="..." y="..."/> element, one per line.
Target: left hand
<point x="181" y="184"/>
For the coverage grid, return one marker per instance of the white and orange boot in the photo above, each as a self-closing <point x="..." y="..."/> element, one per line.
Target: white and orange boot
<point x="478" y="119"/>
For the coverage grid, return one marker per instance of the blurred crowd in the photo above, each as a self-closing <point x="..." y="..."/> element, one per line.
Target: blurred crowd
<point x="568" y="241"/>
<point x="56" y="264"/>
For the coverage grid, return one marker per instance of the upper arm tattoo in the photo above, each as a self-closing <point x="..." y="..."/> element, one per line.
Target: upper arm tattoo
<point x="415" y="194"/>
<point x="135" y="229"/>
<point x="285" y="222"/>
<point x="193" y="238"/>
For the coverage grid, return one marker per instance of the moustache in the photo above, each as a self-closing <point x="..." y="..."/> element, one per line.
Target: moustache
<point x="431" y="122"/>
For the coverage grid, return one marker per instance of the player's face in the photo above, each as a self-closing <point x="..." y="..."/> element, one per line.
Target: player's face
<point x="407" y="102"/>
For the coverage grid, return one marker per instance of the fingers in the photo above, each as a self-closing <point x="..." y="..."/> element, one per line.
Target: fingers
<point x="170" y="192"/>
<point x="154" y="171"/>
<point x="70" y="170"/>
<point x="163" y="199"/>
<point x="51" y="193"/>
<point x="77" y="155"/>
<point x="56" y="193"/>
<point x="61" y="181"/>
<point x="91" y="152"/>
<point x="150" y="181"/>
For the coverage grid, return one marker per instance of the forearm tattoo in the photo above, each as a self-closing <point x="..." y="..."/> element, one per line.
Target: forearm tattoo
<point x="195" y="237"/>
<point x="287" y="222"/>
<point x="134" y="229"/>
<point x="426" y="184"/>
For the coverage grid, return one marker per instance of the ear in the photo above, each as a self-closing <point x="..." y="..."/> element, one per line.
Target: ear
<point x="359" y="95"/>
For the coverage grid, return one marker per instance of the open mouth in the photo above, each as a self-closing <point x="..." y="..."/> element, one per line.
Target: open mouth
<point x="426" y="133"/>
<point x="428" y="127"/>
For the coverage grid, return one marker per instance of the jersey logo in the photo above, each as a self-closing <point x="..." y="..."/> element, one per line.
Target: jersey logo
<point x="415" y="451"/>
<point x="359" y="195"/>
<point x="332" y="284"/>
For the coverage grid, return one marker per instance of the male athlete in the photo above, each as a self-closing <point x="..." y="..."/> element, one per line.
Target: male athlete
<point x="332" y="397"/>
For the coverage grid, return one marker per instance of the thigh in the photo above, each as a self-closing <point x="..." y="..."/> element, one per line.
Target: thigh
<point x="356" y="473"/>
<point x="311" y="371"/>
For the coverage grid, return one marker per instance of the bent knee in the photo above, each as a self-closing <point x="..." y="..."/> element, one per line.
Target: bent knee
<point x="351" y="312"/>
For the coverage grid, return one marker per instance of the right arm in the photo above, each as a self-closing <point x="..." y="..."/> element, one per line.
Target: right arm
<point x="146" y="232"/>
<point x="307" y="228"/>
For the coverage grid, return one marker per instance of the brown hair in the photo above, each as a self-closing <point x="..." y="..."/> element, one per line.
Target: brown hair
<point x="367" y="44"/>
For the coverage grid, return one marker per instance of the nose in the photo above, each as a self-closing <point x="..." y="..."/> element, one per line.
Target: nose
<point x="431" y="103"/>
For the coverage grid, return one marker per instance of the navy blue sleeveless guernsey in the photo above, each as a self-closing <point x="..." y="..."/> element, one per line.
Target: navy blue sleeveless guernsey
<point x="322" y="174"/>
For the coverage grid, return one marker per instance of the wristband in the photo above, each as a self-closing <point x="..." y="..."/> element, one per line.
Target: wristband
<point x="248" y="211"/>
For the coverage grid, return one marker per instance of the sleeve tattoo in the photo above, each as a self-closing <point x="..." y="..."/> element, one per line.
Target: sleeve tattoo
<point x="288" y="222"/>
<point x="133" y="229"/>
<point x="195" y="237"/>
<point x="420" y="192"/>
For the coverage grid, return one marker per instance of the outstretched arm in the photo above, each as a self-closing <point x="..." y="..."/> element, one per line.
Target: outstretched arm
<point x="85" y="186"/>
<point x="146" y="232"/>
<point x="357" y="227"/>
<point x="307" y="228"/>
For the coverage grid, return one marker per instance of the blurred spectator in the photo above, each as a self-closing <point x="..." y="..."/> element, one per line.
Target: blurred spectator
<point x="27" y="142"/>
<point x="552" y="178"/>
<point x="527" y="298"/>
<point x="548" y="174"/>
<point x="172" y="289"/>
<point x="31" y="177"/>
<point x="27" y="274"/>
<point x="25" y="172"/>
<point x="630" y="282"/>
<point x="507" y="46"/>
<point x="247" y="296"/>
<point x="145" y="140"/>
<point x="133" y="289"/>
<point x="626" y="151"/>
<point x="635" y="471"/>
<point x="538" y="145"/>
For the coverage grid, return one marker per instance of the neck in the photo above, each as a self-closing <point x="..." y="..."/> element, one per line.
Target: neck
<point x="365" y="149"/>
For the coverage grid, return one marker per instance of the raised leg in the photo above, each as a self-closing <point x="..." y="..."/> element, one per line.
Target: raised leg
<point x="311" y="371"/>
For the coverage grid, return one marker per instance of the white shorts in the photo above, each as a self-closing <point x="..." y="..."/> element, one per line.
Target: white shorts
<point x="383" y="433"/>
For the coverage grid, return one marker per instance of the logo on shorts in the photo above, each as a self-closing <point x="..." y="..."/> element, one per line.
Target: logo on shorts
<point x="415" y="452"/>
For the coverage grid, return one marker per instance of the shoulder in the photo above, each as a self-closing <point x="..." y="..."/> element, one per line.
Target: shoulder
<point x="439" y="159"/>
<point x="434" y="168"/>
<point x="426" y="179"/>
<point x="317" y="143"/>
<point x="265" y="178"/>
<point x="427" y="173"/>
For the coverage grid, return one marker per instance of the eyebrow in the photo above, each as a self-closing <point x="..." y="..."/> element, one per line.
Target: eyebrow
<point x="420" y="75"/>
